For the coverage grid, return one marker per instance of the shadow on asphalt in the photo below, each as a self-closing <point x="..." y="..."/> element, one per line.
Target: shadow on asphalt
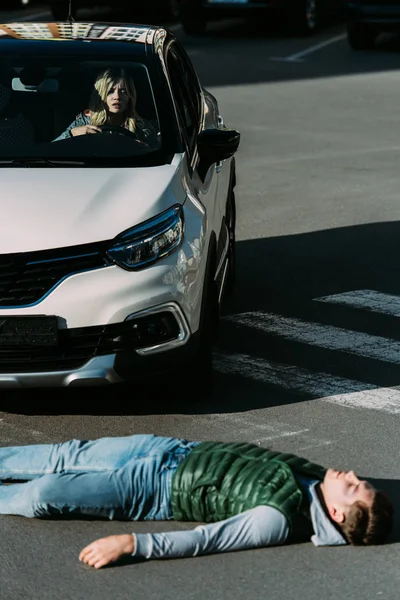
<point x="283" y="277"/>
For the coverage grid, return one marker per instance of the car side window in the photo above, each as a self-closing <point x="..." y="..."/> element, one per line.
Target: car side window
<point x="191" y="80"/>
<point x="186" y="95"/>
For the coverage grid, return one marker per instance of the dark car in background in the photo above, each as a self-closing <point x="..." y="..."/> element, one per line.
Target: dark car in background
<point x="366" y="19"/>
<point x="14" y="4"/>
<point x="299" y="16"/>
<point x="159" y="10"/>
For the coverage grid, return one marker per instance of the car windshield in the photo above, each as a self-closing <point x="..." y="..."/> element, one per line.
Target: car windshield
<point x="71" y="110"/>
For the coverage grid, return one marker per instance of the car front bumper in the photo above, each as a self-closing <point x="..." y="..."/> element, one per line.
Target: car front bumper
<point x="105" y="370"/>
<point x="114" y="324"/>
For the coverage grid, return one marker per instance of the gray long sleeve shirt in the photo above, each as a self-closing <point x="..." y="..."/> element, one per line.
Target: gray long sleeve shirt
<point x="255" y="528"/>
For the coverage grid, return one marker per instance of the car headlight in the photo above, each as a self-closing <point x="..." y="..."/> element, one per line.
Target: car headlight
<point x="149" y="242"/>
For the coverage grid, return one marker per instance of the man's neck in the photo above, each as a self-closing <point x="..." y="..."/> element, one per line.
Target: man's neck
<point x="319" y="488"/>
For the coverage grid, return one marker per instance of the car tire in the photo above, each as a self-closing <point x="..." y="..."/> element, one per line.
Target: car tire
<point x="360" y="36"/>
<point x="231" y="224"/>
<point x="199" y="374"/>
<point x="193" y="22"/>
<point x="60" y="8"/>
<point x="303" y="18"/>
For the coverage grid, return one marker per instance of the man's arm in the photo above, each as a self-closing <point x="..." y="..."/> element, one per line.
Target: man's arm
<point x="255" y="528"/>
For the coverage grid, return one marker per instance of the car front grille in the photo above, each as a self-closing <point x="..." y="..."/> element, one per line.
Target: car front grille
<point x="25" y="278"/>
<point x="77" y="346"/>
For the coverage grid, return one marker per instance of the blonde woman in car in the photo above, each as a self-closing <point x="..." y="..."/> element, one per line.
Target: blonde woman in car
<point x="112" y="103"/>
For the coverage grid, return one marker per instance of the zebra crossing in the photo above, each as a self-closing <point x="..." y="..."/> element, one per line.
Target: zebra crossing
<point x="321" y="385"/>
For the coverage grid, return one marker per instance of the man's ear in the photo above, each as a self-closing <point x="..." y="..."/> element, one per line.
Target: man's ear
<point x="337" y="514"/>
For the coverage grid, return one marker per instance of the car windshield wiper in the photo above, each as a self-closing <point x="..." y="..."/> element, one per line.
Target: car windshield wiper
<point x="39" y="162"/>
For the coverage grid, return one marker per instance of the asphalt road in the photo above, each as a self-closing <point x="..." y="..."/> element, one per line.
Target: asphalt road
<point x="309" y="351"/>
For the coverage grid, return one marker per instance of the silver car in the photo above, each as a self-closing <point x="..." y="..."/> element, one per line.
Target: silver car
<point x="117" y="237"/>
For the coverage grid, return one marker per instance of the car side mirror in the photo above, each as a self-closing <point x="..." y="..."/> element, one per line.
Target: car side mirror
<point x="215" y="145"/>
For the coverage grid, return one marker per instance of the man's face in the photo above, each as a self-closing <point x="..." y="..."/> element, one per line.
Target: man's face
<point x="341" y="489"/>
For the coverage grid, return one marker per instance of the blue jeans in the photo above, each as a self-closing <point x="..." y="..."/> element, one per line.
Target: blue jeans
<point x="124" y="478"/>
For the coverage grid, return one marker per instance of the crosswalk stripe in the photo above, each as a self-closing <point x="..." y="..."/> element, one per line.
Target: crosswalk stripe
<point x="323" y="386"/>
<point x="386" y="304"/>
<point x="323" y="336"/>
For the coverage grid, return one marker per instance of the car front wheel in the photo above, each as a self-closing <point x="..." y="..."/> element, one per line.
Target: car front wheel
<point x="231" y="224"/>
<point x="360" y="36"/>
<point x="198" y="376"/>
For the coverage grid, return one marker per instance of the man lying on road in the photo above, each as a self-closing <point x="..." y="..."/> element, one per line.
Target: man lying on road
<point x="247" y="496"/>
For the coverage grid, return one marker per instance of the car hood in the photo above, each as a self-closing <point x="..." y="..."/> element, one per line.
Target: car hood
<point x="57" y="207"/>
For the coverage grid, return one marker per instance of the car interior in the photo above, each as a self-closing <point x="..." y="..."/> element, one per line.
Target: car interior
<point x="37" y="103"/>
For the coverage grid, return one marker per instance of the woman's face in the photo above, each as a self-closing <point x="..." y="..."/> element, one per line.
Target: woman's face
<point x="117" y="97"/>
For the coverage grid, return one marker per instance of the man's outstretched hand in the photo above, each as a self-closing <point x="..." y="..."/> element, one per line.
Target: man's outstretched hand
<point x="107" y="550"/>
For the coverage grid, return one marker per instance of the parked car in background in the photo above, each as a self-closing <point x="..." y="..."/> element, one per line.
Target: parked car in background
<point x="14" y="4"/>
<point x="159" y="10"/>
<point x="366" y="19"/>
<point x="117" y="248"/>
<point x="299" y="16"/>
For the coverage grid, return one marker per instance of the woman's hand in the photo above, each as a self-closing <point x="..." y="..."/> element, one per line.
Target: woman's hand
<point x="107" y="550"/>
<point x="84" y="129"/>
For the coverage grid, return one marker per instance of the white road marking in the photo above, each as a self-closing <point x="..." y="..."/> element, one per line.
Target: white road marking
<point x="318" y="445"/>
<point x="244" y="424"/>
<point x="298" y="57"/>
<point x="322" y="386"/>
<point x="279" y="435"/>
<point x="372" y="300"/>
<point x="322" y="336"/>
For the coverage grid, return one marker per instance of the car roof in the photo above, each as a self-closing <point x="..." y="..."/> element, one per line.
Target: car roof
<point x="43" y="35"/>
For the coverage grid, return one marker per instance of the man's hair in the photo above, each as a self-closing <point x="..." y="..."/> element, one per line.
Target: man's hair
<point x="366" y="525"/>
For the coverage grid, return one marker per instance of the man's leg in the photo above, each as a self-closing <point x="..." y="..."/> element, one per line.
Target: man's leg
<point x="108" y="453"/>
<point x="94" y="494"/>
<point x="133" y="492"/>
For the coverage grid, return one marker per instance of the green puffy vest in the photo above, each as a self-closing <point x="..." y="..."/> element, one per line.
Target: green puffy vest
<point x="218" y="480"/>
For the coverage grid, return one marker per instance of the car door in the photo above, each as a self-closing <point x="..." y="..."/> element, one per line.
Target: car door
<point x="191" y="107"/>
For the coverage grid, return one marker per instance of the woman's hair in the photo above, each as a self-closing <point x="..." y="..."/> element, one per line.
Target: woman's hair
<point x="367" y="525"/>
<point x="98" y="101"/>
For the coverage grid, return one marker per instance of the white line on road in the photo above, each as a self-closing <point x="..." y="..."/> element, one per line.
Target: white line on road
<point x="300" y="55"/>
<point x="240" y="424"/>
<point x="279" y="435"/>
<point x="322" y="386"/>
<point x="314" y="445"/>
<point x="372" y="300"/>
<point x="322" y="336"/>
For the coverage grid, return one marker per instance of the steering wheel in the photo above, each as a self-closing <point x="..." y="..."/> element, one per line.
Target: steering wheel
<point x="117" y="130"/>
